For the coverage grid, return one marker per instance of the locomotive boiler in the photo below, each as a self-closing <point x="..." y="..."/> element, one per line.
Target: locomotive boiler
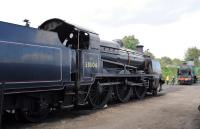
<point x="61" y="65"/>
<point x="114" y="51"/>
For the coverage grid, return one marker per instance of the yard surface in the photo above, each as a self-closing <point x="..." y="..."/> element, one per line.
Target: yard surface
<point x="176" y="107"/>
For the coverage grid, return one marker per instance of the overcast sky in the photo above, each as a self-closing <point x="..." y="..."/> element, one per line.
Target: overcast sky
<point x="165" y="27"/>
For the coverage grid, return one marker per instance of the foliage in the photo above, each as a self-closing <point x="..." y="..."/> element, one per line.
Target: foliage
<point x="169" y="67"/>
<point x="165" y="61"/>
<point x="197" y="70"/>
<point x="169" y="71"/>
<point x="130" y="42"/>
<point x="176" y="62"/>
<point x="193" y="53"/>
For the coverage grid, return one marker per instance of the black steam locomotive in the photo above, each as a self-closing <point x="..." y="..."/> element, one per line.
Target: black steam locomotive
<point x="60" y="65"/>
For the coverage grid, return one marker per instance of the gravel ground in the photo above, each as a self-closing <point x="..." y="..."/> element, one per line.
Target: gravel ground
<point x="174" y="108"/>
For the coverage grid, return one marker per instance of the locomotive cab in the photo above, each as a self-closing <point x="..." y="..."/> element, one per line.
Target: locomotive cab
<point x="83" y="43"/>
<point x="69" y="35"/>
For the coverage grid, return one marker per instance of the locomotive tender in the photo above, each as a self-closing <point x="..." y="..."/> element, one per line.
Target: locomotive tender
<point x="60" y="65"/>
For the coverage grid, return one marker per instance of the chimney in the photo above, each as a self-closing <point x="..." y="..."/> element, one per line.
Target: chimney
<point x="139" y="48"/>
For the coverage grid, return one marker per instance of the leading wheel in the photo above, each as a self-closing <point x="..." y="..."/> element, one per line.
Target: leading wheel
<point x="99" y="95"/>
<point x="140" y="91"/>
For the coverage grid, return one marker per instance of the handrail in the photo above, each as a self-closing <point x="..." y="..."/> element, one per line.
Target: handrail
<point x="131" y="51"/>
<point x="124" y="65"/>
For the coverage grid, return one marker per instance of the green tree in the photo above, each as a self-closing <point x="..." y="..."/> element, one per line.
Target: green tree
<point x="165" y="61"/>
<point x="176" y="61"/>
<point x="193" y="53"/>
<point x="130" y="42"/>
<point x="169" y="71"/>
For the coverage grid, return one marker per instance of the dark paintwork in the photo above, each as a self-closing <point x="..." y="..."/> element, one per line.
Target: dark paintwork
<point x="29" y="63"/>
<point x="88" y="54"/>
<point x="1" y="102"/>
<point x="57" y="20"/>
<point x="93" y="58"/>
<point x="113" y="52"/>
<point x="58" y="57"/>
<point x="32" y="58"/>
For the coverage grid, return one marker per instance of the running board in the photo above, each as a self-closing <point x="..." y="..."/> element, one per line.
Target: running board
<point x="119" y="83"/>
<point x="66" y="107"/>
<point x="133" y="84"/>
<point x="110" y="83"/>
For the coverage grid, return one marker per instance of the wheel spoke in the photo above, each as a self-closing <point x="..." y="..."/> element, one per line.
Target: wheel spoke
<point x="140" y="92"/>
<point x="99" y="96"/>
<point x="35" y="113"/>
<point x="123" y="93"/>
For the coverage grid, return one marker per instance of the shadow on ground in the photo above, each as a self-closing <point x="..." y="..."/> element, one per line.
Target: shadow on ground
<point x="10" y="123"/>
